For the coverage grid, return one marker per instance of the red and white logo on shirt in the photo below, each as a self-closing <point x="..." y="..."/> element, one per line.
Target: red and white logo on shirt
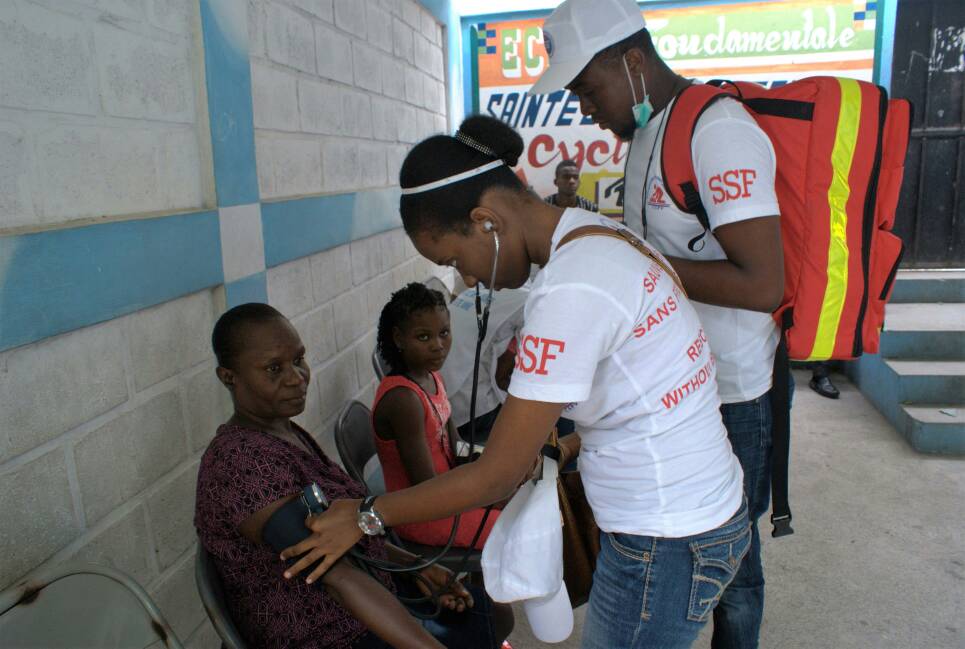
<point x="656" y="196"/>
<point x="731" y="185"/>
<point x="535" y="353"/>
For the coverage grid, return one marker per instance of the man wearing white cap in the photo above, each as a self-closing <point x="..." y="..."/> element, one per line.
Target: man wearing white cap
<point x="601" y="51"/>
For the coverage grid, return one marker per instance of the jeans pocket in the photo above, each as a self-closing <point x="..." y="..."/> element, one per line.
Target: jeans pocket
<point x="637" y="548"/>
<point x="716" y="561"/>
<point x="748" y="425"/>
<point x="621" y="581"/>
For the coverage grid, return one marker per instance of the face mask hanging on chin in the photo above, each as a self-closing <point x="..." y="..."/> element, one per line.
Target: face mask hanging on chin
<point x="643" y="110"/>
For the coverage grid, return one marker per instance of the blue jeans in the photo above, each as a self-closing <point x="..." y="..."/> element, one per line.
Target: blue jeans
<point x="651" y="592"/>
<point x="737" y="619"/>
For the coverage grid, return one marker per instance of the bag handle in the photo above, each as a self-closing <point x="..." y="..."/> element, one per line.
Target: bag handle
<point x="625" y="235"/>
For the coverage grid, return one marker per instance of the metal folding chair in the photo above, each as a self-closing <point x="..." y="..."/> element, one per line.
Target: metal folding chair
<point x="212" y="596"/>
<point x="438" y="285"/>
<point x="81" y="606"/>
<point x="355" y="441"/>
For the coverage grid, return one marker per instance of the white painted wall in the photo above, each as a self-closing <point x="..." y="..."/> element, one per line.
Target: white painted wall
<point x="341" y="90"/>
<point x="99" y="111"/>
<point x="103" y="427"/>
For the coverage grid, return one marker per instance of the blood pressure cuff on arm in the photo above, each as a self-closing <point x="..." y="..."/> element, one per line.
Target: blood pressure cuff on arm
<point x="286" y="527"/>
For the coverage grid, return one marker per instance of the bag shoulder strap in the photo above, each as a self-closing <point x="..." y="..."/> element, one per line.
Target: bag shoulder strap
<point x="623" y="235"/>
<point x="676" y="159"/>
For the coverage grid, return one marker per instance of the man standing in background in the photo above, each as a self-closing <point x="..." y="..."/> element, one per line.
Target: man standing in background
<point x="567" y="181"/>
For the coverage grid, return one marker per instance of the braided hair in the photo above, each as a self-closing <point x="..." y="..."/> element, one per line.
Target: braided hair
<point x="403" y="303"/>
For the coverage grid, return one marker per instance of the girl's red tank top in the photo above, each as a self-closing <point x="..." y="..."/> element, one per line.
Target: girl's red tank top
<point x="436" y="411"/>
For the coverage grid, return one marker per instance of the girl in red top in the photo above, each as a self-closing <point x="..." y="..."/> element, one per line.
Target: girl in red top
<point x="414" y="435"/>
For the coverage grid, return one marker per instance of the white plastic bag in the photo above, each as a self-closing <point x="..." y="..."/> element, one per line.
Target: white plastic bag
<point x="523" y="557"/>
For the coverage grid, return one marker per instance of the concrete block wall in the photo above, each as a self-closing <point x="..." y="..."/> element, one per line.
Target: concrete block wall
<point x="334" y="299"/>
<point x="341" y="90"/>
<point x="106" y="116"/>
<point x="99" y="111"/>
<point x="103" y="430"/>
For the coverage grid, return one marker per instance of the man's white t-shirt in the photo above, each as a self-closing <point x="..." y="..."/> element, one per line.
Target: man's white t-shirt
<point x="735" y="166"/>
<point x="505" y="321"/>
<point x="607" y="331"/>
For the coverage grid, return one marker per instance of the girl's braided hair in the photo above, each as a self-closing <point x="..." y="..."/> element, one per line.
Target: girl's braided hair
<point x="403" y="303"/>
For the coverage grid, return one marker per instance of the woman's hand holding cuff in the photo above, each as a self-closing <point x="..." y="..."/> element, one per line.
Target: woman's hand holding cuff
<point x="334" y="532"/>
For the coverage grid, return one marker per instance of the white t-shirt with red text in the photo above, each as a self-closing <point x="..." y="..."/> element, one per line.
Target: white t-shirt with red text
<point x="735" y="166"/>
<point x="607" y="331"/>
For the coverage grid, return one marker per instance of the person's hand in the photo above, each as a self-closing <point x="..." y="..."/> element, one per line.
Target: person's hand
<point x="505" y="365"/>
<point x="452" y="596"/>
<point x="334" y="532"/>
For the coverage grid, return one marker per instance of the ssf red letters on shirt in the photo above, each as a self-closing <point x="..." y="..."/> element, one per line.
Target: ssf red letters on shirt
<point x="534" y="353"/>
<point x="731" y="185"/>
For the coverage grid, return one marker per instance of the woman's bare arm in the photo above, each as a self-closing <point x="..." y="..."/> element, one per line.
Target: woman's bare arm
<point x="357" y="592"/>
<point x="517" y="437"/>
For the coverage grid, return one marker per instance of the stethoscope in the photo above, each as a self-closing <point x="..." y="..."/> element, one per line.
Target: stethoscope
<point x="482" y="325"/>
<point x="316" y="502"/>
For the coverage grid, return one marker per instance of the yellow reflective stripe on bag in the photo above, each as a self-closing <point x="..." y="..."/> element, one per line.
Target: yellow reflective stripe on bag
<point x="842" y="156"/>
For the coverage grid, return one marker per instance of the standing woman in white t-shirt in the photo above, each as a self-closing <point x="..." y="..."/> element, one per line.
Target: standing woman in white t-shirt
<point x="610" y="339"/>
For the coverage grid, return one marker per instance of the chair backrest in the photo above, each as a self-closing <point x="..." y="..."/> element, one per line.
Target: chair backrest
<point x="458" y="285"/>
<point x="212" y="596"/>
<point x="438" y="285"/>
<point x="82" y="607"/>
<point x="355" y="441"/>
<point x="379" y="365"/>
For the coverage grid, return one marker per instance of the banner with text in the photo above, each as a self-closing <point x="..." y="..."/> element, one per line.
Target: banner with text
<point x="767" y="42"/>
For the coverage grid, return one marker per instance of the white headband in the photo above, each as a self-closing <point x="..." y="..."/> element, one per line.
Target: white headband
<point x="452" y="179"/>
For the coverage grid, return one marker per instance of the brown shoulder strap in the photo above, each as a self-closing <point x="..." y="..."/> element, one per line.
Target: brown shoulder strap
<point x="624" y="235"/>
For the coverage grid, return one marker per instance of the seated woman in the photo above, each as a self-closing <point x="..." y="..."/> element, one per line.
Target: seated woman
<point x="414" y="432"/>
<point x="258" y="462"/>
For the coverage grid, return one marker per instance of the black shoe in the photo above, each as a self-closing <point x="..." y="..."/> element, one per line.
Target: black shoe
<point x="824" y="387"/>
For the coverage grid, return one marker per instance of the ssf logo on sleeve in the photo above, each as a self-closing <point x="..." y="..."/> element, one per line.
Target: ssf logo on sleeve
<point x="533" y="354"/>
<point x="731" y="185"/>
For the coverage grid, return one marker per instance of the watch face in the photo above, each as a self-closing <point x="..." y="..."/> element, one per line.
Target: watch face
<point x="370" y="523"/>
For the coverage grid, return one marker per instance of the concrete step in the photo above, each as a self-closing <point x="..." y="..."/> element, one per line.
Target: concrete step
<point x="935" y="428"/>
<point x="924" y="332"/>
<point x="919" y="316"/>
<point x="893" y="384"/>
<point x="929" y="286"/>
<point x="929" y="381"/>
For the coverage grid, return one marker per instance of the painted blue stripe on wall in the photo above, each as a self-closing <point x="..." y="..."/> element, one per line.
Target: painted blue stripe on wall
<point x="304" y="226"/>
<point x="228" y="81"/>
<point x="57" y="281"/>
<point x="253" y="288"/>
<point x="885" y="43"/>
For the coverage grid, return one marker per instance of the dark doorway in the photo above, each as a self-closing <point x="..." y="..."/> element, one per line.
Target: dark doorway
<point x="929" y="70"/>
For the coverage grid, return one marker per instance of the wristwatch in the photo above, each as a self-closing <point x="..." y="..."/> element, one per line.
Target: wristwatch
<point x="370" y="521"/>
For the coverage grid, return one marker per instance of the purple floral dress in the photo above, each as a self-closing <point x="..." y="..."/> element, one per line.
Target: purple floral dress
<point x="241" y="472"/>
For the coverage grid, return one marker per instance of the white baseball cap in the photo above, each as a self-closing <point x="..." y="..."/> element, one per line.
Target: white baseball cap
<point x="577" y="31"/>
<point x="523" y="557"/>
